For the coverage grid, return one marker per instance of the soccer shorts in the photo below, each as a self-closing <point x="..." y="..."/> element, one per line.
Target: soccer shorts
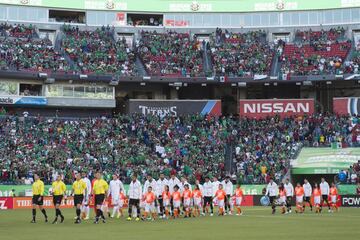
<point x="36" y="201"/>
<point x="197" y="202"/>
<point x="325" y="198"/>
<point x="78" y="199"/>
<point x="207" y="201"/>
<point x="333" y="198"/>
<point x="177" y="203"/>
<point x="57" y="199"/>
<point x="187" y="202"/>
<point x="307" y="199"/>
<point x="221" y="203"/>
<point x="299" y="199"/>
<point x="317" y="200"/>
<point x="115" y="200"/>
<point x="166" y="202"/>
<point x="238" y="201"/>
<point x="149" y="207"/>
<point x="99" y="199"/>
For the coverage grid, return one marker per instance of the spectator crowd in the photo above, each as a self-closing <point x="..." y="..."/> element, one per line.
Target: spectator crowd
<point x="193" y="146"/>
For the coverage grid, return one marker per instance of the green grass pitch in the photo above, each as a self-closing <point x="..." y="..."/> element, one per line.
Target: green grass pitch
<point x="256" y="223"/>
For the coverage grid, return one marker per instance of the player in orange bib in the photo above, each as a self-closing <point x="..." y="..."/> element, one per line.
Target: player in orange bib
<point x="299" y="193"/>
<point x="197" y="196"/>
<point x="187" y="196"/>
<point x="238" y="199"/>
<point x="176" y="197"/>
<point x="220" y="195"/>
<point x="333" y="197"/>
<point x="282" y="198"/>
<point x="149" y="201"/>
<point x="166" y="200"/>
<point x="317" y="197"/>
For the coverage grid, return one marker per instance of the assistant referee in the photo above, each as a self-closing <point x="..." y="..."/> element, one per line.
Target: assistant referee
<point x="100" y="189"/>
<point x="38" y="198"/>
<point x="59" y="189"/>
<point x="79" y="189"/>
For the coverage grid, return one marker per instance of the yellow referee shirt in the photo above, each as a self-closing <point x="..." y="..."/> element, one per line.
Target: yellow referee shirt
<point x="59" y="188"/>
<point x="79" y="187"/>
<point x="38" y="188"/>
<point x="100" y="186"/>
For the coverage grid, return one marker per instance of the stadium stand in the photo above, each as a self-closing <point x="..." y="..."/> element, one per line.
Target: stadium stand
<point x="192" y="146"/>
<point x="98" y="52"/>
<point x="171" y="54"/>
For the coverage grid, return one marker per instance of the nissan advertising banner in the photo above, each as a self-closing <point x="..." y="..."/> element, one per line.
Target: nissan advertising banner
<point x="261" y="108"/>
<point x="175" y="108"/>
<point x="346" y="106"/>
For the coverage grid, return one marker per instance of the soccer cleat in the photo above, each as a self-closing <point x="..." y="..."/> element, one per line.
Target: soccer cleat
<point x="103" y="220"/>
<point x="55" y="221"/>
<point x="211" y="214"/>
<point x="137" y="219"/>
<point x="224" y="213"/>
<point x="62" y="219"/>
<point x="33" y="221"/>
<point x="129" y="219"/>
<point x="77" y="221"/>
<point x="96" y="222"/>
<point x="46" y="220"/>
<point x="290" y="211"/>
<point x="202" y="214"/>
<point x="86" y="218"/>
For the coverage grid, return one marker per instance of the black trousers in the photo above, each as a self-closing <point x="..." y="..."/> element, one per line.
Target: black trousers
<point x="208" y="200"/>
<point x="161" y="204"/>
<point x="135" y="203"/>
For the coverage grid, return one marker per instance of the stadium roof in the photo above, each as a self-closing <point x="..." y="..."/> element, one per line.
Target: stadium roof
<point x="324" y="160"/>
<point x="189" y="5"/>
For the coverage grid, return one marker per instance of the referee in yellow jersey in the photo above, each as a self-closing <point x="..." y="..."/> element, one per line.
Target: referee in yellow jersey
<point x="59" y="189"/>
<point x="100" y="189"/>
<point x="79" y="190"/>
<point x="38" y="198"/>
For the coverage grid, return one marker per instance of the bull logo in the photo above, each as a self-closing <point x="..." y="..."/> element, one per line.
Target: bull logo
<point x="195" y="6"/>
<point x="110" y="4"/>
<point x="280" y="5"/>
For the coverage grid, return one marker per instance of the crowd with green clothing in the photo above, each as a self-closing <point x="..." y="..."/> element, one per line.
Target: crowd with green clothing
<point x="241" y="54"/>
<point x="17" y="30"/>
<point x="263" y="148"/>
<point x="171" y="53"/>
<point x="98" y="52"/>
<point x="30" y="54"/>
<point x="192" y="146"/>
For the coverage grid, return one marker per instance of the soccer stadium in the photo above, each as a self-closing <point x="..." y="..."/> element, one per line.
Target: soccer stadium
<point x="187" y="119"/>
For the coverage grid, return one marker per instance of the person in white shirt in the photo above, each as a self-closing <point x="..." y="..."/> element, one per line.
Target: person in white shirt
<point x="201" y="188"/>
<point x="85" y="207"/>
<point x="216" y="184"/>
<point x="307" y="194"/>
<point x="272" y="192"/>
<point x="160" y="187"/>
<point x="208" y="193"/>
<point x="115" y="187"/>
<point x="325" y="190"/>
<point x="134" y="195"/>
<point x="173" y="181"/>
<point x="229" y="189"/>
<point x="183" y="182"/>
<point x="150" y="182"/>
<point x="289" y="189"/>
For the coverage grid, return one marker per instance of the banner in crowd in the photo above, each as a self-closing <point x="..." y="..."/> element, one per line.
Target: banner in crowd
<point x="26" y="202"/>
<point x="346" y="106"/>
<point x="261" y="108"/>
<point x="11" y="100"/>
<point x="175" y="108"/>
<point x="324" y="160"/>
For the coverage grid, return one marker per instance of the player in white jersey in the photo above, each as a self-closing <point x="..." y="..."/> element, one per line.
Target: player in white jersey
<point x="289" y="189"/>
<point x="307" y="194"/>
<point x="150" y="182"/>
<point x="115" y="187"/>
<point x="272" y="192"/>
<point x="85" y="209"/>
<point x="208" y="194"/>
<point x="160" y="187"/>
<point x="325" y="191"/>
<point x="229" y="189"/>
<point x="183" y="182"/>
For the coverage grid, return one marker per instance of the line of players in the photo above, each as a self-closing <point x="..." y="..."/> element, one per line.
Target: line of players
<point x="282" y="195"/>
<point x="164" y="198"/>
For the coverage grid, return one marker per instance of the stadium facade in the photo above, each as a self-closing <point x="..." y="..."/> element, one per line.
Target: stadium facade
<point x="76" y="93"/>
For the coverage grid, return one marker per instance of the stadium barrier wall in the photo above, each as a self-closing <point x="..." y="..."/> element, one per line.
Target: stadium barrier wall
<point x="262" y="108"/>
<point x="174" y="108"/>
<point x="346" y="106"/>
<point x="6" y="203"/>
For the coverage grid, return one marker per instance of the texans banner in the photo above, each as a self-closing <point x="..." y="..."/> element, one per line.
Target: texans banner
<point x="175" y="108"/>
<point x="261" y="108"/>
<point x="346" y="106"/>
